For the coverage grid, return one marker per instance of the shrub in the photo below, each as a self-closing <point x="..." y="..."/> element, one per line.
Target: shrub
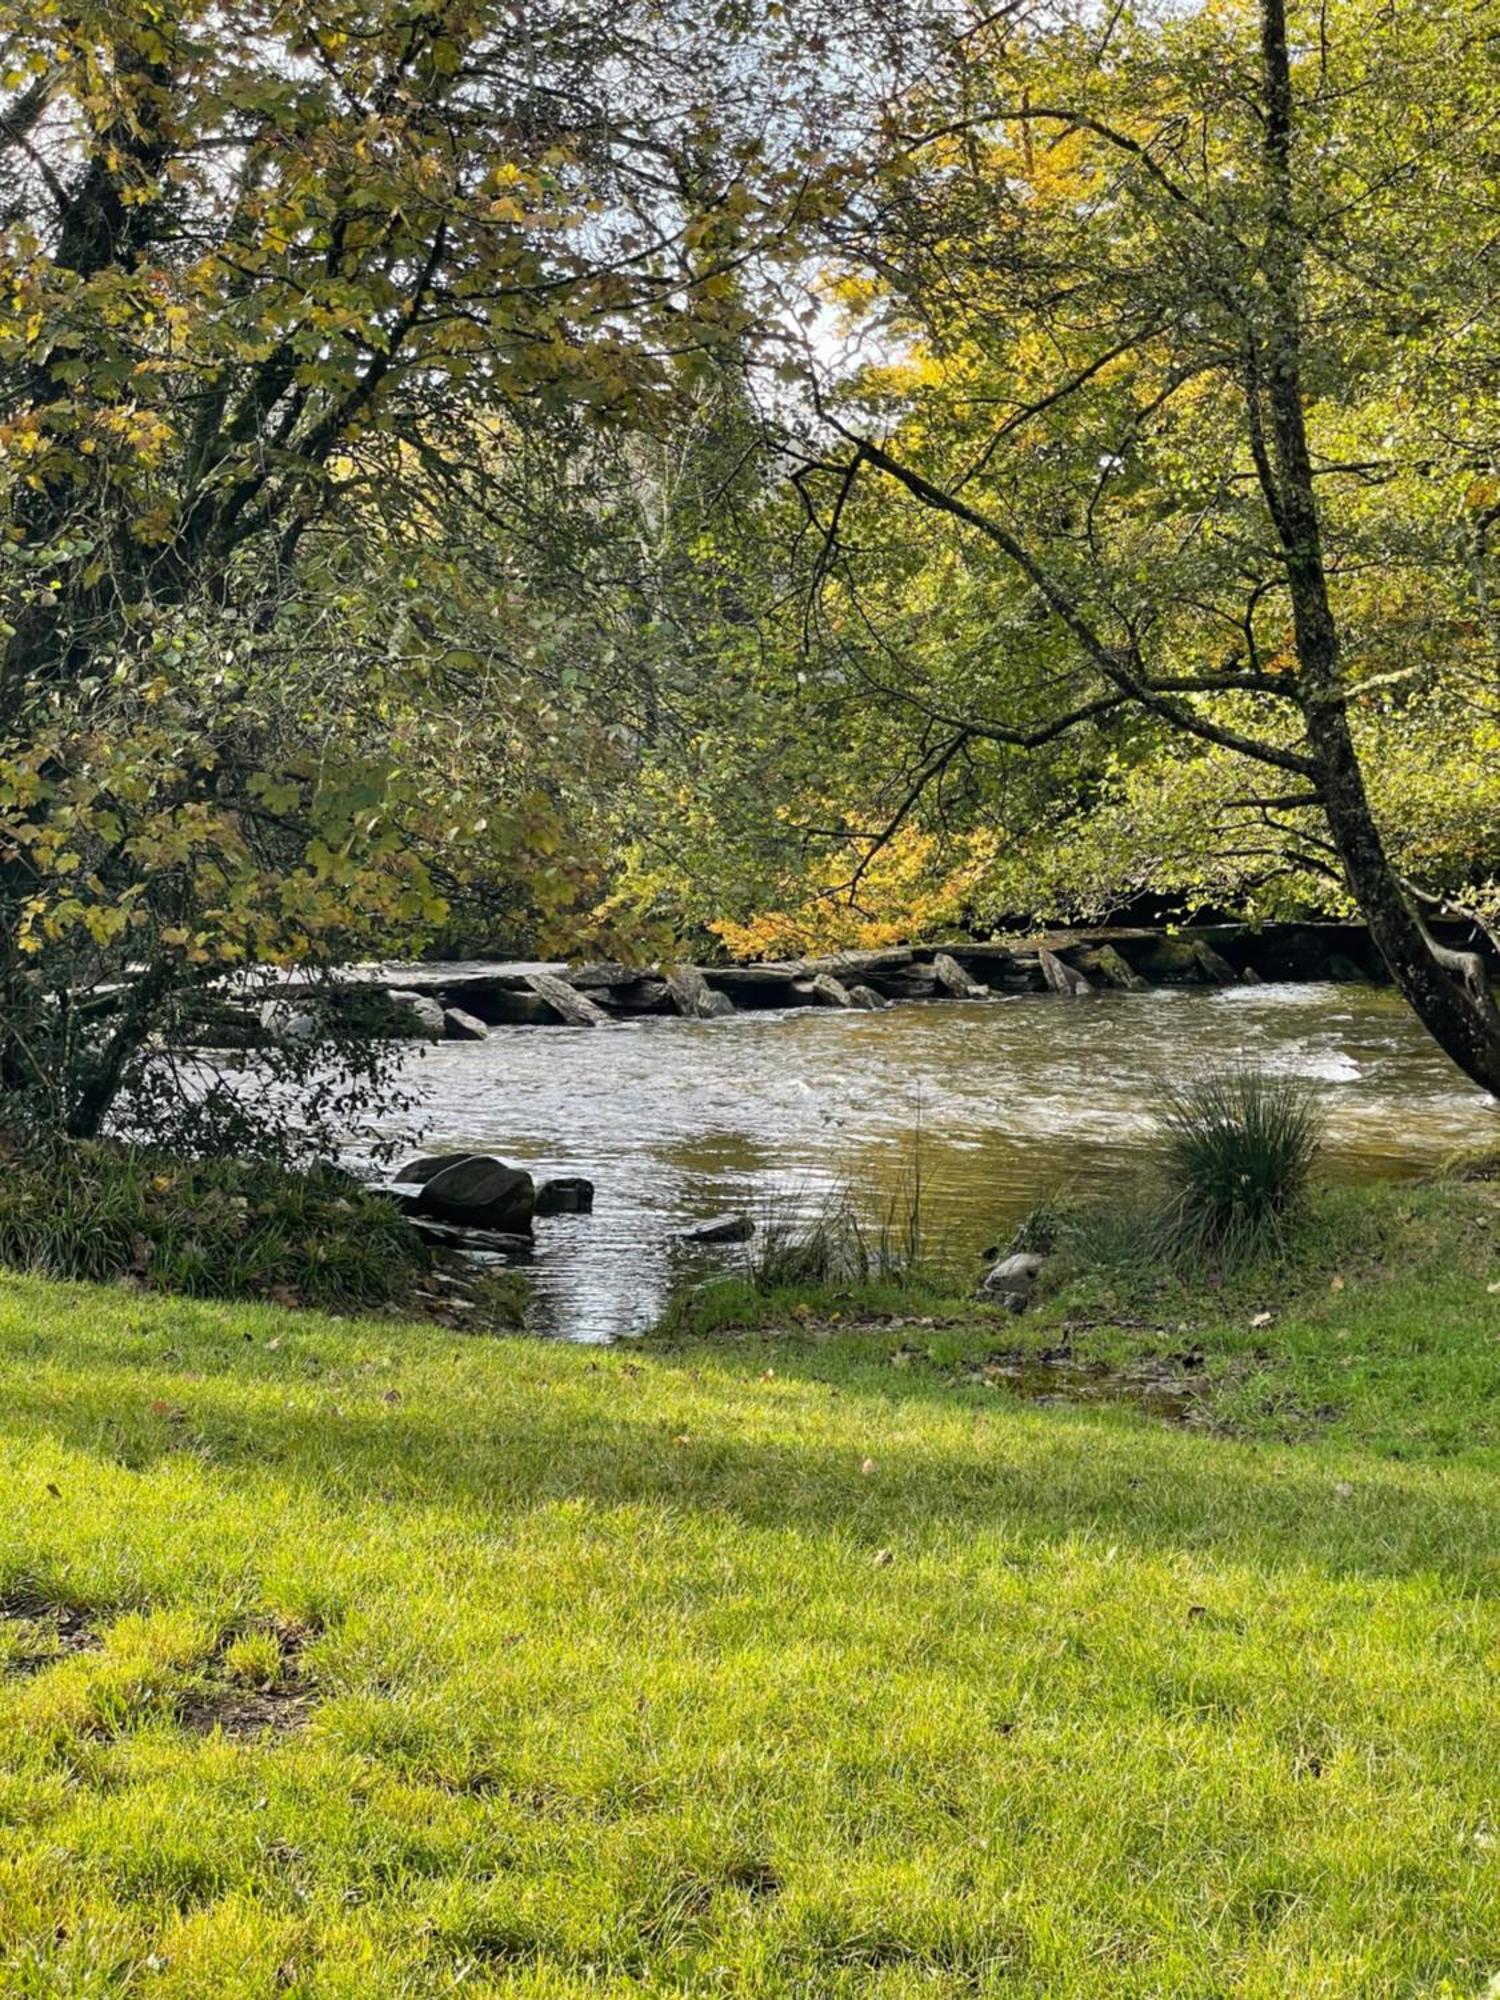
<point x="1237" y="1148"/>
<point x="223" y="1228"/>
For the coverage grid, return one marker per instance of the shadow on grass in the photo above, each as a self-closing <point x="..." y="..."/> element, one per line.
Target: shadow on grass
<point x="496" y="1429"/>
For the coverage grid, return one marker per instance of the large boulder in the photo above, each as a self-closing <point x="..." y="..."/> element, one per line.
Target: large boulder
<point x="477" y="1192"/>
<point x="601" y="974"/>
<point x="1059" y="975"/>
<point x="869" y="965"/>
<point x="418" y="1172"/>
<point x="951" y="976"/>
<point x="694" y="996"/>
<point x="766" y="985"/>
<point x="902" y="982"/>
<point x="459" y="1026"/>
<point x="415" y="1016"/>
<point x="1114" y="970"/>
<point x="572" y="1007"/>
<point x="831" y="992"/>
<point x="282" y="1021"/>
<point x="645" y="996"/>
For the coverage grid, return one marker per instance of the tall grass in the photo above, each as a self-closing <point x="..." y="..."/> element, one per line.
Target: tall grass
<point x="220" y="1228"/>
<point x="1236" y="1151"/>
<point x="844" y="1238"/>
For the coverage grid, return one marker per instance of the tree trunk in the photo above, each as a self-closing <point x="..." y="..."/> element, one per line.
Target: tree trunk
<point x="1449" y="991"/>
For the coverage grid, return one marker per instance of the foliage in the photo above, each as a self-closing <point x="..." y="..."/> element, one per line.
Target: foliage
<point x="312" y="334"/>
<point x="217" y="1228"/>
<point x="1139" y="554"/>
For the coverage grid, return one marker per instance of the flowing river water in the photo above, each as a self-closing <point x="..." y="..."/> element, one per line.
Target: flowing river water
<point x="1011" y="1101"/>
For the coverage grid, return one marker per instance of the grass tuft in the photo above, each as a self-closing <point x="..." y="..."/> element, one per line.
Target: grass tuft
<point x="1237" y="1149"/>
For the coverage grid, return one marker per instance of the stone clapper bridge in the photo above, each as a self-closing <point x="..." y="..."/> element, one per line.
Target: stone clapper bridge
<point x="462" y="1003"/>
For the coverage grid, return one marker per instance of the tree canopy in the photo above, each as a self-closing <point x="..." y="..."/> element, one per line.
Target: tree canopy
<point x="573" y="476"/>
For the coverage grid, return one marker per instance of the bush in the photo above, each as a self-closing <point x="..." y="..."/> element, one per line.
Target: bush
<point x="1236" y="1152"/>
<point x="221" y="1228"/>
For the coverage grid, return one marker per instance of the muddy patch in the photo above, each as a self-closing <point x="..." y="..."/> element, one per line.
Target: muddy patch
<point x="1168" y="1387"/>
<point x="278" y="1702"/>
<point x="38" y="1633"/>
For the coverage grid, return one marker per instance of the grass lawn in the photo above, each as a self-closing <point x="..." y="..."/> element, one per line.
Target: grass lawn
<point x="362" y="1659"/>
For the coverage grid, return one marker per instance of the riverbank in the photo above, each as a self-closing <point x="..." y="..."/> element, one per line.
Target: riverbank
<point x="358" y="1658"/>
<point x="1378" y="1327"/>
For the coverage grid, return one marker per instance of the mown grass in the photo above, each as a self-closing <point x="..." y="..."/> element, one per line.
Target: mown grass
<point x="364" y="1659"/>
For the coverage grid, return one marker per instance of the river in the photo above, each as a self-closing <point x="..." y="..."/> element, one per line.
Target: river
<point x="1011" y="1100"/>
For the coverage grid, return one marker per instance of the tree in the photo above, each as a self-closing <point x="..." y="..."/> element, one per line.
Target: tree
<point x="1185" y="354"/>
<point x="293" y="295"/>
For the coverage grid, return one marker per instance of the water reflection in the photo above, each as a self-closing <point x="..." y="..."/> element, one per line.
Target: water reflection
<point x="1016" y="1098"/>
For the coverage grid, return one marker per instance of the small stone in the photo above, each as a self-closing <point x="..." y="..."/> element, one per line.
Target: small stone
<point x="719" y="1229"/>
<point x="569" y="1194"/>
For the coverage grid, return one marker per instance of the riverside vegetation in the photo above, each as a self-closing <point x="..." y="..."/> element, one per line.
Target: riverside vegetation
<point x="355" y="1659"/>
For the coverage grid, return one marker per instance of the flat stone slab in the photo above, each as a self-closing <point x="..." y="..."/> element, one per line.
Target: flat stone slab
<point x="719" y="1229"/>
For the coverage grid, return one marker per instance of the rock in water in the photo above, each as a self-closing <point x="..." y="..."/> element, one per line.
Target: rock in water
<point x="416" y="1015"/>
<point x="1115" y="972"/>
<point x="494" y="1242"/>
<point x="285" y="1023"/>
<point x="418" y="1172"/>
<point x="574" y="1008"/>
<point x="695" y="997"/>
<point x="602" y="974"/>
<point x="1215" y="969"/>
<point x="461" y="1027"/>
<point x="479" y="1193"/>
<point x="867" y="998"/>
<point x="953" y="979"/>
<point x="720" y="1229"/>
<point x="831" y="992"/>
<point x="569" y="1194"/>
<point x="1059" y="975"/>
<point x="850" y="964"/>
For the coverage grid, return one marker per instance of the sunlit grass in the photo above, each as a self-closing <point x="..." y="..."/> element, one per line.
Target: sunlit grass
<point x="752" y="1667"/>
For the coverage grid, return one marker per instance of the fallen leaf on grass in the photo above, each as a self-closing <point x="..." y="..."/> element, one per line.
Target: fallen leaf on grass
<point x="1262" y="1319"/>
<point x="1336" y="1284"/>
<point x="868" y="1467"/>
<point x="883" y="1556"/>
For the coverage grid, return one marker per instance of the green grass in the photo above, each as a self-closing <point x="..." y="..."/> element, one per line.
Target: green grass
<point x="364" y="1659"/>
